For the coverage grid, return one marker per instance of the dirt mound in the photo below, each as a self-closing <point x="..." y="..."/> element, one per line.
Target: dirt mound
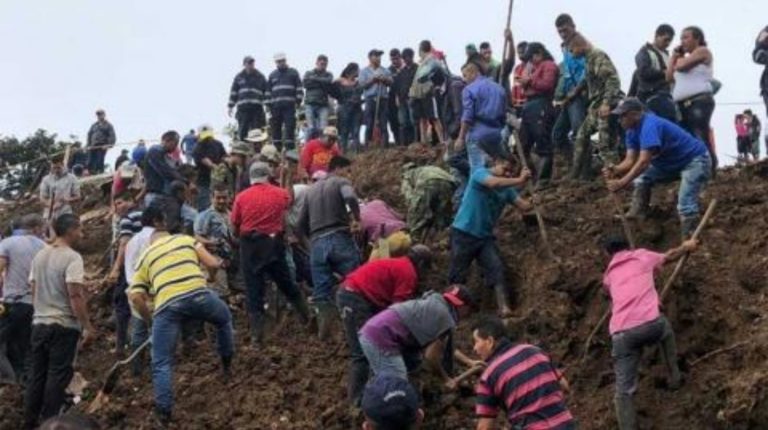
<point x="717" y="308"/>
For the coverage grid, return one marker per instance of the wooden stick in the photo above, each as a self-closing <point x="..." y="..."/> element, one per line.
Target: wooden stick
<point x="624" y="221"/>
<point x="467" y="373"/>
<point x="718" y="351"/>
<point x="504" y="59"/>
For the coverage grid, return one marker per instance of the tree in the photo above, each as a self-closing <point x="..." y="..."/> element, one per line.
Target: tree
<point x="24" y="162"/>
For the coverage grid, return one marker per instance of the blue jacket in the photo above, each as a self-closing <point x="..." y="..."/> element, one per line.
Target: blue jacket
<point x="284" y="88"/>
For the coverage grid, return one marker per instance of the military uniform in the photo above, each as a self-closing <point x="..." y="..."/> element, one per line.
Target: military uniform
<point x="427" y="191"/>
<point x="603" y="87"/>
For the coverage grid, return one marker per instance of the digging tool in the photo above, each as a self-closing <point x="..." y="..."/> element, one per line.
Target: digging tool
<point x="500" y="77"/>
<point x="624" y="221"/>
<point x="454" y="382"/>
<point x="529" y="186"/>
<point x="110" y="382"/>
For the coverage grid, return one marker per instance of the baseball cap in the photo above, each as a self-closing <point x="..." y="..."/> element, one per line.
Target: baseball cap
<point x="248" y="59"/>
<point x="204" y="131"/>
<point x="459" y="295"/>
<point x="375" y="53"/>
<point x="280" y="56"/>
<point x="390" y="402"/>
<point x="259" y="172"/>
<point x="629" y="104"/>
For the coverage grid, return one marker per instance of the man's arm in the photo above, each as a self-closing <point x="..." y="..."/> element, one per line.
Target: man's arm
<point x="675" y="254"/>
<point x="433" y="356"/>
<point x="140" y="301"/>
<point x="209" y="260"/>
<point x="486" y="423"/>
<point x="503" y="182"/>
<point x="626" y="164"/>
<point x="3" y="266"/>
<point x="119" y="259"/>
<point x="645" y="70"/>
<point x="80" y="308"/>
<point x="467" y="115"/>
<point x="698" y="56"/>
<point x="350" y="198"/>
<point x="643" y="161"/>
<point x="156" y="159"/>
<point x="112" y="137"/>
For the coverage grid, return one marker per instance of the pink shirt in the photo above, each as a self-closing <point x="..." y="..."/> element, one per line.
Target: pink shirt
<point x="629" y="281"/>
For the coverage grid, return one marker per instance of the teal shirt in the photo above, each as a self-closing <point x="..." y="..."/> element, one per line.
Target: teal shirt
<point x="481" y="206"/>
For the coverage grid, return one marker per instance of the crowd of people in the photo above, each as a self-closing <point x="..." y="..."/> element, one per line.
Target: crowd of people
<point x="196" y="224"/>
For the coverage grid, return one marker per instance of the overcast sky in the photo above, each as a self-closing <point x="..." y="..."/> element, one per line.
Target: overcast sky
<point x="158" y="65"/>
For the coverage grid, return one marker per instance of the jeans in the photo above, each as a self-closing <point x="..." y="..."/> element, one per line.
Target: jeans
<point x="627" y="347"/>
<point x="355" y="310"/>
<point x="381" y="123"/>
<point x="317" y="118"/>
<point x="283" y="115"/>
<point x="139" y="334"/>
<point x="349" y="119"/>
<point x="389" y="362"/>
<point x="15" y="332"/>
<point x="662" y="105"/>
<point x="407" y="130"/>
<point x="333" y="253"/>
<point x="206" y="306"/>
<point x="96" y="161"/>
<point x="465" y="249"/>
<point x="261" y="255"/>
<point x="122" y="312"/>
<point x="53" y="350"/>
<point x="692" y="177"/>
<point x="695" y="116"/>
<point x="537" y="122"/>
<point x="203" y="195"/>
<point x="249" y="118"/>
<point x="567" y="125"/>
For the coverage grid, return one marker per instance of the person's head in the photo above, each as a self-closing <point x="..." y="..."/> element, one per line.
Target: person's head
<point x="630" y="112"/>
<point x="470" y="50"/>
<point x="748" y="113"/>
<point x="470" y="72"/>
<point x="259" y="173"/>
<point x="220" y="198"/>
<point x="486" y="51"/>
<point x="578" y="45"/>
<point x="395" y="57"/>
<point x="271" y="155"/>
<point x="500" y="166"/>
<point x="425" y="47"/>
<point x="374" y="57"/>
<point x="124" y="152"/>
<point x="537" y="53"/>
<point x="57" y="165"/>
<point x="178" y="191"/>
<point x="67" y="228"/>
<point x="249" y="64"/>
<point x="566" y="28"/>
<point x="281" y="60"/>
<point x="421" y="257"/>
<point x="522" y="51"/>
<point x="390" y="403"/>
<point x="461" y="299"/>
<point x="487" y="334"/>
<point x="330" y="136"/>
<point x="692" y="38"/>
<point x="319" y="175"/>
<point x="154" y="216"/>
<point x="322" y="62"/>
<point x="170" y="140"/>
<point x="70" y="421"/>
<point x="101" y="115"/>
<point x="663" y="37"/>
<point x="239" y="153"/>
<point x="124" y="202"/>
<point x="408" y="56"/>
<point x="351" y="71"/>
<point x="33" y="224"/>
<point x="615" y="244"/>
<point x="339" y="165"/>
<point x="142" y="143"/>
<point x="205" y="132"/>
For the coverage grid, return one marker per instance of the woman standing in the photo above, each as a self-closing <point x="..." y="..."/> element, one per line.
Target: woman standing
<point x="349" y="94"/>
<point x="691" y="73"/>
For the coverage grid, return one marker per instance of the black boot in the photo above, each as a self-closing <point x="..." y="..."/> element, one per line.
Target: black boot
<point x="502" y="300"/>
<point x="688" y="225"/>
<point x="641" y="199"/>
<point x="226" y="367"/>
<point x="161" y="418"/>
<point x="257" y="329"/>
<point x="302" y="308"/>
<point x="625" y="413"/>
<point x="325" y="314"/>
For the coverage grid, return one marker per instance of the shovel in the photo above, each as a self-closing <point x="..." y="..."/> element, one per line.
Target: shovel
<point x="110" y="382"/>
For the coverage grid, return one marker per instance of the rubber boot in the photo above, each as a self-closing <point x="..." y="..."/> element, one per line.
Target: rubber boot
<point x="257" y="329"/>
<point x="641" y="199"/>
<point x="688" y="225"/>
<point x="669" y="355"/>
<point x="625" y="413"/>
<point x="325" y="313"/>
<point x="545" y="171"/>
<point x="502" y="300"/>
<point x="226" y="367"/>
<point x="303" y="310"/>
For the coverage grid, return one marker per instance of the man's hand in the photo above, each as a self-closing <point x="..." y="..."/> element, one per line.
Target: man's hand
<point x="524" y="80"/>
<point x="690" y="245"/>
<point x="609" y="172"/>
<point x="615" y="185"/>
<point x="476" y="363"/>
<point x="604" y="111"/>
<point x="525" y="174"/>
<point x="451" y="385"/>
<point x="458" y="145"/>
<point x="111" y="279"/>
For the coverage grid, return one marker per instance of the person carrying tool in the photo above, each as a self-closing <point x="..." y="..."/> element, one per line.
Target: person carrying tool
<point x="384" y="229"/>
<point x="375" y="80"/>
<point x="428" y="191"/>
<point x="16" y="255"/>
<point x="58" y="190"/>
<point x="247" y="94"/>
<point x="636" y="321"/>
<point x="284" y="95"/>
<point x="391" y="403"/>
<point x="330" y="218"/>
<point x="368" y="290"/>
<point x="519" y="379"/>
<point x="659" y="151"/>
<point x="169" y="279"/>
<point x="488" y="192"/>
<point x="59" y="322"/>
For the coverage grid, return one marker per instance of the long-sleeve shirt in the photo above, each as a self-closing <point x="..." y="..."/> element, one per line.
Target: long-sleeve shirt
<point x="403" y="81"/>
<point x="603" y="84"/>
<point x="211" y="149"/>
<point x="543" y="80"/>
<point x="248" y="90"/>
<point x="574" y="70"/>
<point x="158" y="172"/>
<point x="284" y="88"/>
<point x="317" y="86"/>
<point x="760" y="56"/>
<point x="484" y="107"/>
<point x="366" y="77"/>
<point x="101" y="134"/>
<point x="651" y="72"/>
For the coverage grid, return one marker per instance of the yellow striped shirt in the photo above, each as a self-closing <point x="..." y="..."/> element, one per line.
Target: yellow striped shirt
<point x="169" y="269"/>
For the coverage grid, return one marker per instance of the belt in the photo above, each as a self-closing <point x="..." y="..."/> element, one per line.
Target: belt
<point x="256" y="235"/>
<point x="690" y="100"/>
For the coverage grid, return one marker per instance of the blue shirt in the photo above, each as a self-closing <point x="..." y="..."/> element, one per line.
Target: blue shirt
<point x="188" y="143"/>
<point x="674" y="147"/>
<point x="484" y="105"/>
<point x="367" y="75"/>
<point x="481" y="206"/>
<point x="138" y="154"/>
<point x="574" y="69"/>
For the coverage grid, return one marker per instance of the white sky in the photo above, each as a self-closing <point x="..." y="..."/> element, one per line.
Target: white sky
<point x="159" y="65"/>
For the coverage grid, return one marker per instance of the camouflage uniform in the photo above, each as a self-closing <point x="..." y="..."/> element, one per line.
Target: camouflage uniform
<point x="427" y="191"/>
<point x="603" y="87"/>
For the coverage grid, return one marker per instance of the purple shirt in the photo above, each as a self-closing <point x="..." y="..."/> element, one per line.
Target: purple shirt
<point x="484" y="106"/>
<point x="387" y="331"/>
<point x="375" y="213"/>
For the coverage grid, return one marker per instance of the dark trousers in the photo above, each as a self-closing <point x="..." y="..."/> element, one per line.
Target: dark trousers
<point x="407" y="129"/>
<point x="261" y="255"/>
<point x="96" y="161"/>
<point x="465" y="249"/>
<point x="662" y="105"/>
<point x="51" y="358"/>
<point x="15" y="331"/>
<point x="249" y="118"/>
<point x="355" y="311"/>
<point x="567" y="125"/>
<point x="349" y="120"/>
<point x="394" y="120"/>
<point x="538" y="117"/>
<point x="695" y="117"/>
<point x="122" y="313"/>
<point x="370" y="121"/>
<point x="283" y="116"/>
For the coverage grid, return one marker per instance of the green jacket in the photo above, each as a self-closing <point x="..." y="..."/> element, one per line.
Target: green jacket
<point x="415" y="179"/>
<point x="603" y="84"/>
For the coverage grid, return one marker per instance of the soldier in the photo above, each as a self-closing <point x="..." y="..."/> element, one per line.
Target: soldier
<point x="427" y="191"/>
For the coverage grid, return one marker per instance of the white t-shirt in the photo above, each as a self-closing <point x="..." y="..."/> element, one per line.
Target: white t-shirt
<point x="133" y="251"/>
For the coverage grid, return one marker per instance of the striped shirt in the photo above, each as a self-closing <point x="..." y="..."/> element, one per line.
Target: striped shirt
<point x="169" y="270"/>
<point x="129" y="225"/>
<point x="521" y="380"/>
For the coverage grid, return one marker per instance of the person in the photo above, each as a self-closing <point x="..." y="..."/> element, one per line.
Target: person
<point x="427" y="191"/>
<point x="59" y="321"/>
<point x="247" y="94"/>
<point x="601" y="80"/>
<point x="213" y="229"/>
<point x="317" y="153"/>
<point x="349" y="93"/>
<point x="284" y="95"/>
<point x="368" y="290"/>
<point x="395" y="66"/>
<point x="168" y="279"/>
<point x="498" y="71"/>
<point x="483" y="117"/>
<point x="518" y="379"/>
<point x="183" y="199"/>
<point x="401" y="84"/>
<point x="257" y="220"/>
<point x="129" y="224"/>
<point x="760" y="57"/>
<point x="452" y="106"/>
<point x="158" y="172"/>
<point x="691" y="71"/>
<point x="659" y="151"/>
<point x="489" y="190"/>
<point x="229" y="173"/>
<point x="636" y="321"/>
<point x="16" y="255"/>
<point x="570" y="96"/>
<point x="390" y="403"/>
<point x="520" y="72"/>
<point x="258" y="140"/>
<point x="70" y="421"/>
<point x="755" y="130"/>
<point x="209" y="152"/>
<point x="317" y="85"/>
<point x="139" y="153"/>
<point x="394" y="338"/>
<point x="78" y="159"/>
<point x="537" y="113"/>
<point x="58" y="190"/>
<point x="122" y="158"/>
<point x="330" y="218"/>
<point x="379" y="221"/>
<point x="188" y="144"/>
<point x="375" y="81"/>
<point x="101" y="137"/>
<point x="431" y="68"/>
<point x="743" y="137"/>
<point x="652" y="61"/>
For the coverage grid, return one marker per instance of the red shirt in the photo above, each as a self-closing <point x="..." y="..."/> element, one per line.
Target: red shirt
<point x="518" y="92"/>
<point x="261" y="209"/>
<point x="383" y="282"/>
<point x="316" y="156"/>
<point x="543" y="79"/>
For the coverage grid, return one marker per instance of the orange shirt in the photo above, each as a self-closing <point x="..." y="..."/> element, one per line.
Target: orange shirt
<point x="316" y="156"/>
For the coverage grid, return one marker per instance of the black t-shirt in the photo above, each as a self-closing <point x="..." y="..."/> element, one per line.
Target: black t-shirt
<point x="211" y="149"/>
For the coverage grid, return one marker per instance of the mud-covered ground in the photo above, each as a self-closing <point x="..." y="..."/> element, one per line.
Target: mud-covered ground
<point x="717" y="308"/>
